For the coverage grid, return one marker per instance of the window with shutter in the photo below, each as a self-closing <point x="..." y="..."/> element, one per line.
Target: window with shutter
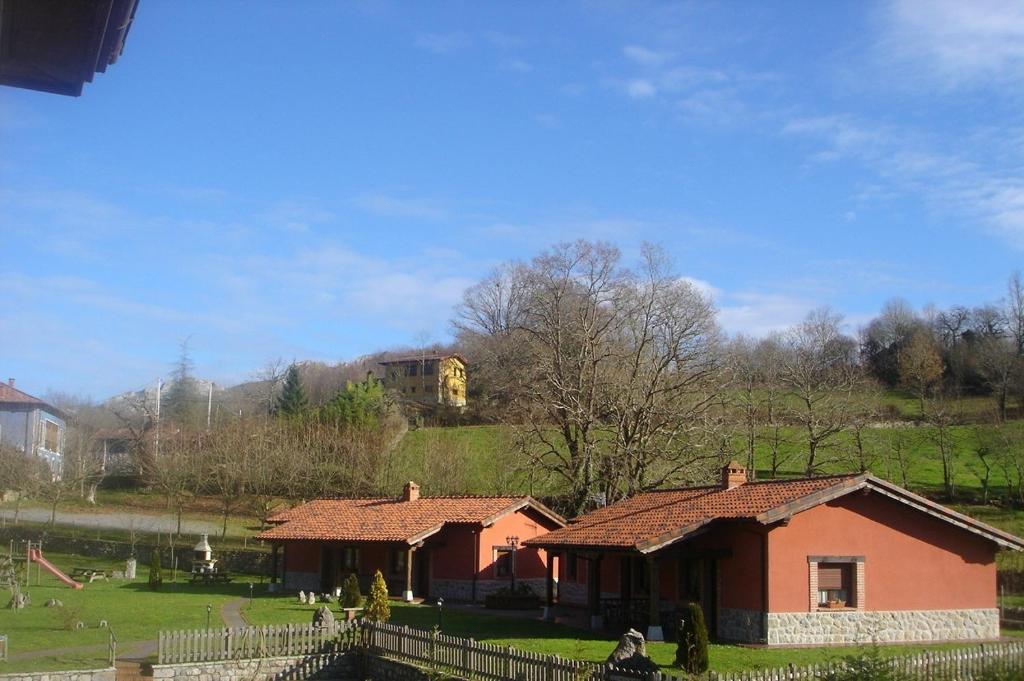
<point x="834" y="584"/>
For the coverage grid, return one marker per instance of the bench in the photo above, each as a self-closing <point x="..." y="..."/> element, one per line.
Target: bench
<point x="88" y="575"/>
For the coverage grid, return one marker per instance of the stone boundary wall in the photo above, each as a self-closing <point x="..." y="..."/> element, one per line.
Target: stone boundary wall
<point x="386" y="669"/>
<point x="253" y="562"/>
<point x="345" y="665"/>
<point x="823" y="627"/>
<point x="461" y="590"/>
<point x="71" y="675"/>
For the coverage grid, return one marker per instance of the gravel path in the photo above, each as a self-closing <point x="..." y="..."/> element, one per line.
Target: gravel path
<point x="231" y="614"/>
<point x="115" y="521"/>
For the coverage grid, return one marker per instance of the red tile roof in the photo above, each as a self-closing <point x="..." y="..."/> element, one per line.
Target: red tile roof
<point x="11" y="395"/>
<point x="638" y="521"/>
<point x="420" y="358"/>
<point x="391" y="520"/>
<point x="650" y="521"/>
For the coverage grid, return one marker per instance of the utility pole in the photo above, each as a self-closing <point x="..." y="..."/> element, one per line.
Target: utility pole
<point x="209" y="407"/>
<point x="159" y="387"/>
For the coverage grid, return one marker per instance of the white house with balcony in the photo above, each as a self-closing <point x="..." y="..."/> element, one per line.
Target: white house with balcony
<point x="31" y="425"/>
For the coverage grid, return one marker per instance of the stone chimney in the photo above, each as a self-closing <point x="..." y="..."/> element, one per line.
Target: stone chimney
<point x="10" y="381"/>
<point x="411" y="492"/>
<point x="733" y="475"/>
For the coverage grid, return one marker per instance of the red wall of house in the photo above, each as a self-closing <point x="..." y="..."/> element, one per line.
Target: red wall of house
<point x="452" y="553"/>
<point x="740" y="572"/>
<point x="302" y="557"/>
<point x="524" y="524"/>
<point x="912" y="561"/>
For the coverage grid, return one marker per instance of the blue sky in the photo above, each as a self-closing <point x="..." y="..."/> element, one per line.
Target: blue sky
<point x="320" y="180"/>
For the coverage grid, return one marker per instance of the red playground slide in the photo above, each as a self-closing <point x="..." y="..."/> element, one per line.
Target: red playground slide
<point x="36" y="556"/>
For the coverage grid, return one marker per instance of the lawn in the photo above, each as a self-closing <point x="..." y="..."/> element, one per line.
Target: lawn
<point x="133" y="612"/>
<point x="556" y="639"/>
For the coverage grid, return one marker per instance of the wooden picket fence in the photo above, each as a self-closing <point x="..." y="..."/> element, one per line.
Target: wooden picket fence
<point x="470" y="659"/>
<point x="285" y="640"/>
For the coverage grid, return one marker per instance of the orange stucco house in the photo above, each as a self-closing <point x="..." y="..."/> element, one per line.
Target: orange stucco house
<point x="839" y="559"/>
<point x="456" y="548"/>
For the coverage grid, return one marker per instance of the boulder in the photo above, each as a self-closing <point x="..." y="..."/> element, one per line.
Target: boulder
<point x="302" y="597"/>
<point x="18" y="601"/>
<point x="631" y="654"/>
<point x="54" y="603"/>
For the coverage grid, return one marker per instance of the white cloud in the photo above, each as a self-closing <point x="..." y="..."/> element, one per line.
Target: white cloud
<point x="517" y="65"/>
<point x="402" y="207"/>
<point x="640" y="89"/>
<point x="644" y="56"/>
<point x="956" y="42"/>
<point x="443" y="43"/>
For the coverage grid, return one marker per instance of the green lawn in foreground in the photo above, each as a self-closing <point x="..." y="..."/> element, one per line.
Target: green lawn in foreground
<point x="133" y="611"/>
<point x="556" y="639"/>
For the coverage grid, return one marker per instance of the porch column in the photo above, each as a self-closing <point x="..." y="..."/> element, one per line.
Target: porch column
<point x="654" y="632"/>
<point x="549" y="606"/>
<point x="407" y="596"/>
<point x="594" y="582"/>
<point x="273" y="568"/>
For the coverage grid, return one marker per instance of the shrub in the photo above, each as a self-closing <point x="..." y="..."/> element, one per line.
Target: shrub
<point x="377" y="607"/>
<point x="350" y="595"/>
<point x="864" y="665"/>
<point x="692" y="641"/>
<point x="521" y="598"/>
<point x="156" y="575"/>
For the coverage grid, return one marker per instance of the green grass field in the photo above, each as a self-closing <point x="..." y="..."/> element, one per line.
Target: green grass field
<point x="556" y="639"/>
<point x="134" y="613"/>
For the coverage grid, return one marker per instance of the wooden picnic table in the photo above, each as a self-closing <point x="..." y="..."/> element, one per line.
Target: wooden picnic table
<point x="211" y="577"/>
<point x="88" y="574"/>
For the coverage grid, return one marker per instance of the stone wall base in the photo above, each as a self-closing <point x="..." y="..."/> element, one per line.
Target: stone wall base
<point x="742" y="626"/>
<point x="74" y="675"/>
<point x="301" y="581"/>
<point x="344" y="665"/>
<point x="895" y="626"/>
<point x="461" y="590"/>
<point x="572" y="593"/>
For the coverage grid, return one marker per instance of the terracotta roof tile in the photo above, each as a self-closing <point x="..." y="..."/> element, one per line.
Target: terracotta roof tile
<point x="382" y="519"/>
<point x="11" y="395"/>
<point x="651" y="515"/>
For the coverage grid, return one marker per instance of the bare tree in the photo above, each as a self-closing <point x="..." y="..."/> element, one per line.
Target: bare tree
<point x="821" y="378"/>
<point x="942" y="414"/>
<point x="1001" y="367"/>
<point x="920" y="366"/>
<point x="1015" y="310"/>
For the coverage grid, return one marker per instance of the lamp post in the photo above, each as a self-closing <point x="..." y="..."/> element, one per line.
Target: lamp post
<point x="250" y="595"/>
<point x="440" y="604"/>
<point x="209" y="609"/>
<point x="513" y="541"/>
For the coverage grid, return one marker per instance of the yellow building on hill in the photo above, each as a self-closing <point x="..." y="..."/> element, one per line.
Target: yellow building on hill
<point x="428" y="379"/>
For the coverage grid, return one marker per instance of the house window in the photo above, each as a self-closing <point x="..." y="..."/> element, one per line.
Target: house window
<point x="412" y="389"/>
<point x="835" y="584"/>
<point x="428" y="368"/>
<point x="412" y="369"/>
<point x="502" y="562"/>
<point x="398" y="561"/>
<point x="51" y="436"/>
<point x="350" y="559"/>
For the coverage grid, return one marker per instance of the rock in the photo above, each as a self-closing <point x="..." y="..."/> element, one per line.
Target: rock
<point x="302" y="597"/>
<point x="323" y="618"/>
<point x="54" y="603"/>
<point x="311" y="599"/>
<point x="631" y="654"/>
<point x="18" y="601"/>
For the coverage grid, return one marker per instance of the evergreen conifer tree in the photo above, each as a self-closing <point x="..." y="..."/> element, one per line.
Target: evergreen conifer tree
<point x="350" y="596"/>
<point x="692" y="641"/>
<point x="156" y="575"/>
<point x="377" y="607"/>
<point x="292" y="401"/>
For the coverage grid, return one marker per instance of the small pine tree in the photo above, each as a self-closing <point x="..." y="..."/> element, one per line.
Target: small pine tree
<point x="350" y="596"/>
<point x="156" y="575"/>
<point x="292" y="401"/>
<point x="377" y="607"/>
<point x="692" y="641"/>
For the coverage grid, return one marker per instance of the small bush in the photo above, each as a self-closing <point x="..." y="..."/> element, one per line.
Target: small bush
<point x="377" y="607"/>
<point x="156" y="575"/>
<point x="866" y="665"/>
<point x="692" y="641"/>
<point x="350" y="594"/>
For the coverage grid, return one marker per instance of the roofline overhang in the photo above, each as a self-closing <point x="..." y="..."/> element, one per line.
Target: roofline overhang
<point x="525" y="502"/>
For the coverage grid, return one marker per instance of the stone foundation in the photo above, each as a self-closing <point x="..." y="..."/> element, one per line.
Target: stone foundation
<point x="301" y="581"/>
<point x="825" y="627"/>
<point x="572" y="593"/>
<point x="743" y="626"/>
